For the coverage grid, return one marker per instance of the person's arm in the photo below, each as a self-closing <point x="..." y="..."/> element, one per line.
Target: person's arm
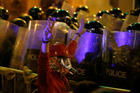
<point x="80" y="31"/>
<point x="73" y="44"/>
<point x="76" y="37"/>
<point x="43" y="67"/>
<point x="45" y="47"/>
<point x="47" y="35"/>
<point x="43" y="62"/>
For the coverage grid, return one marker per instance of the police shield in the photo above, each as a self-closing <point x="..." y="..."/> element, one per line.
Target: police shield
<point x="89" y="46"/>
<point x="120" y="61"/>
<point x="111" y="22"/>
<point x="130" y="19"/>
<point x="32" y="45"/>
<point x="17" y="56"/>
<point x="84" y="15"/>
<point x="8" y="33"/>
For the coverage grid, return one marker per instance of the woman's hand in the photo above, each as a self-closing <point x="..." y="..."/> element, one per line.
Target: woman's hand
<point x="80" y="31"/>
<point x="47" y="34"/>
<point x="81" y="28"/>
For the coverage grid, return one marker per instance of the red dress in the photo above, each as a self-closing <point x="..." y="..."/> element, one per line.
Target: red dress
<point x="50" y="81"/>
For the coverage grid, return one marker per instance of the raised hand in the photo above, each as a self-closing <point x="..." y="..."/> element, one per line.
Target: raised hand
<point x="47" y="34"/>
<point x="81" y="28"/>
<point x="80" y="31"/>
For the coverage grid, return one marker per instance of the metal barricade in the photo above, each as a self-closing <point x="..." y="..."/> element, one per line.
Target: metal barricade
<point x="17" y="81"/>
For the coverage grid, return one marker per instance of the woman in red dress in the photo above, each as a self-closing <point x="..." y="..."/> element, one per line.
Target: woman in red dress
<point x="54" y="62"/>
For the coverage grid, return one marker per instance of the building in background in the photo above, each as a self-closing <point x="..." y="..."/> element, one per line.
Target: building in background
<point x="127" y="5"/>
<point x="18" y="7"/>
<point x="97" y="5"/>
<point x="137" y="4"/>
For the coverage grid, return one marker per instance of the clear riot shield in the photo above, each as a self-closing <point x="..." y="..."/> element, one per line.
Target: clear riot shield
<point x="17" y="56"/>
<point x="112" y="23"/>
<point x="88" y="56"/>
<point x="68" y="7"/>
<point x="84" y="15"/>
<point x="130" y="19"/>
<point x="89" y="47"/>
<point x="16" y="62"/>
<point x="8" y="33"/>
<point x="34" y="39"/>
<point x="121" y="59"/>
<point x="32" y="45"/>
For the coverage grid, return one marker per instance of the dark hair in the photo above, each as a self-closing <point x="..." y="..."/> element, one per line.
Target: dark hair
<point x="85" y="87"/>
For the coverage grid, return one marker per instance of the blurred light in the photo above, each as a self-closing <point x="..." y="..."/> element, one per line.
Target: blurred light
<point x="112" y="65"/>
<point x="124" y="38"/>
<point x="88" y="43"/>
